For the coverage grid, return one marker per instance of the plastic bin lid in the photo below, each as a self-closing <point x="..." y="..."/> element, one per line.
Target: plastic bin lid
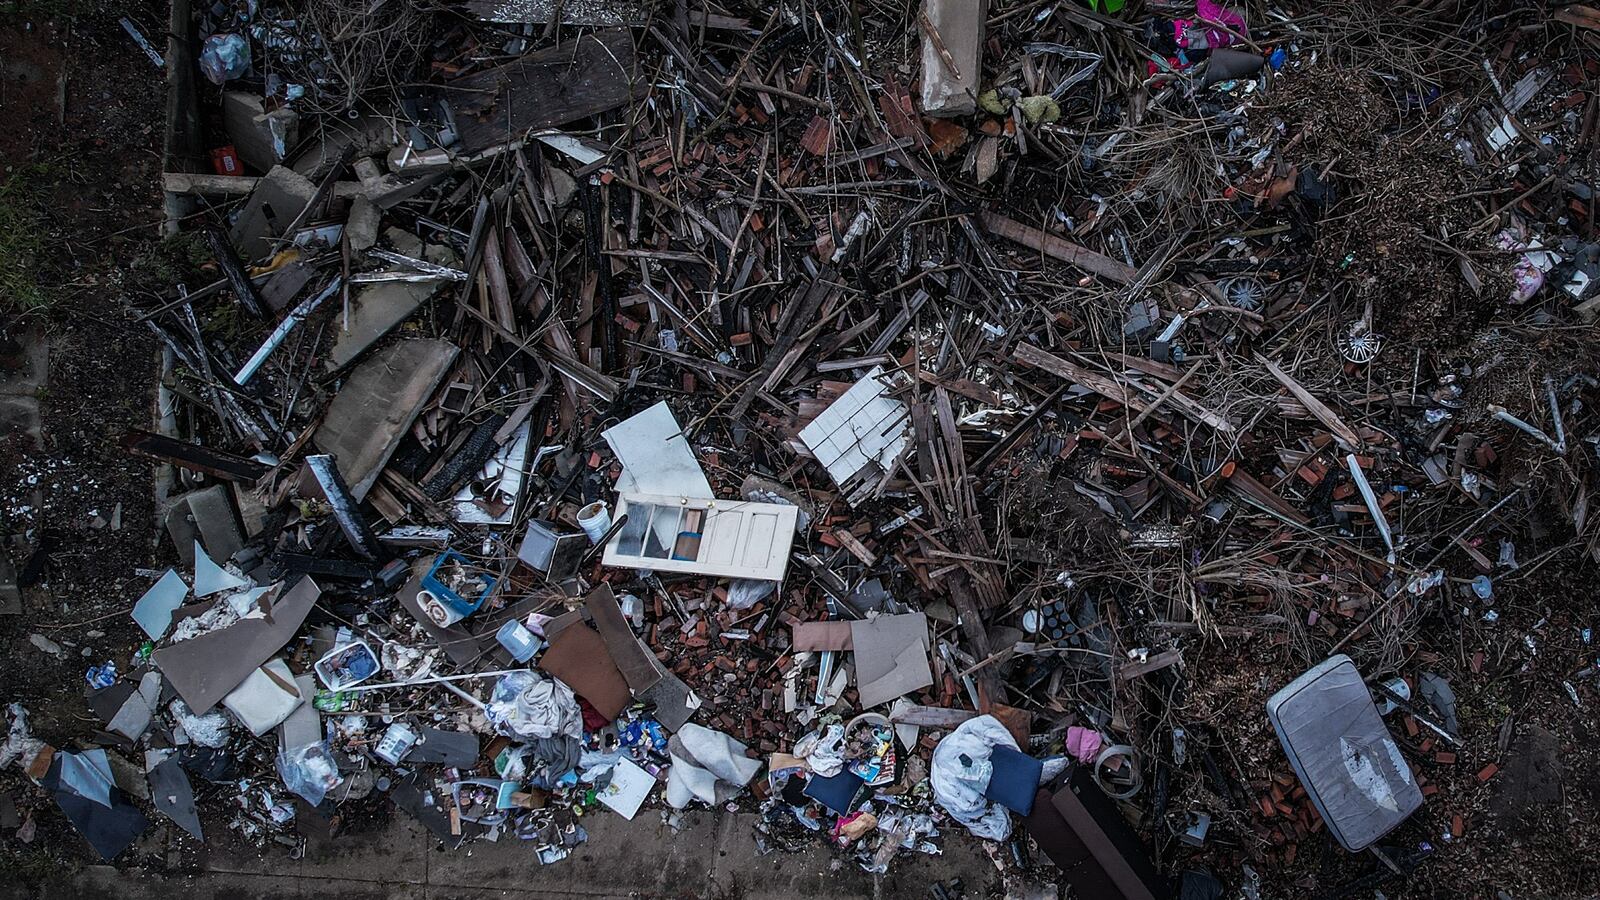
<point x="1339" y="747"/>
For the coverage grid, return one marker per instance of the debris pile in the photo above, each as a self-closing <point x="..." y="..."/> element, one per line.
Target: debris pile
<point x="893" y="419"/>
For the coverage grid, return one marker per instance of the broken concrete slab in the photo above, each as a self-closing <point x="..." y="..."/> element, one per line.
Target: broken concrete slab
<point x="404" y="242"/>
<point x="339" y="139"/>
<point x="952" y="55"/>
<point x="261" y="137"/>
<point x="19" y="416"/>
<point x="377" y="308"/>
<point x="377" y="405"/>
<point x="24" y="366"/>
<point x="361" y="228"/>
<point x="387" y="189"/>
<point x="278" y="199"/>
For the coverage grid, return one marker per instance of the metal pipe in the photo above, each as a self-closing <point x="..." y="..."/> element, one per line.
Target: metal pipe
<point x="295" y="317"/>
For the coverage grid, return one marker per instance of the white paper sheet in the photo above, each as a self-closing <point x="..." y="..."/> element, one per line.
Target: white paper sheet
<point x="629" y="787"/>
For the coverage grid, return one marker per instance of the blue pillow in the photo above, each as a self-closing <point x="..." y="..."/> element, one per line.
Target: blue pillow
<point x="1015" y="779"/>
<point x="841" y="793"/>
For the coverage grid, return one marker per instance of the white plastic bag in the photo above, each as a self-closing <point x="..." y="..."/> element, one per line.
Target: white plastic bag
<point x="824" y="752"/>
<point x="953" y="786"/>
<point x="309" y="771"/>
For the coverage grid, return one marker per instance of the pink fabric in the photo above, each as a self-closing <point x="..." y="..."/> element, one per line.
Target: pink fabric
<point x="1209" y="13"/>
<point x="1083" y="743"/>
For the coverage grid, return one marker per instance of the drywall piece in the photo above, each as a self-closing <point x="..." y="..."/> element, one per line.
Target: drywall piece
<point x="891" y="656"/>
<point x="952" y="55"/>
<point x="656" y="457"/>
<point x="83" y="787"/>
<point x="172" y="794"/>
<point x="304" y="725"/>
<point x="727" y="538"/>
<point x="206" y="514"/>
<point x="377" y="405"/>
<point x="132" y="718"/>
<point x="1337" y="742"/>
<point x="859" y="436"/>
<point x="206" y="668"/>
<point x="153" y="611"/>
<point x="210" y="578"/>
<point x="629" y="787"/>
<point x="266" y="697"/>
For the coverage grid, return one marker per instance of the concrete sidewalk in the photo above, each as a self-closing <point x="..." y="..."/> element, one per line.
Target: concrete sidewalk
<point x="714" y="856"/>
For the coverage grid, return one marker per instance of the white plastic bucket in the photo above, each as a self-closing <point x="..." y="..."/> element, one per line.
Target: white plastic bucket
<point x="595" y="520"/>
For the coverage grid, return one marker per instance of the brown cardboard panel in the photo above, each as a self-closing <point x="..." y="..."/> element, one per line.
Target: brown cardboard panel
<point x="578" y="656"/>
<point x="637" y="664"/>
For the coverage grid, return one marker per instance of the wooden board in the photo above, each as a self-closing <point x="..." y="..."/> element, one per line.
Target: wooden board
<point x="543" y="89"/>
<point x="1059" y="248"/>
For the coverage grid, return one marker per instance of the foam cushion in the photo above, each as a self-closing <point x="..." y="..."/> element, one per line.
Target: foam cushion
<point x="1015" y="779"/>
<point x="841" y="793"/>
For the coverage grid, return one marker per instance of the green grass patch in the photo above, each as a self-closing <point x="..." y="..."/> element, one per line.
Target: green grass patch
<point x="23" y="287"/>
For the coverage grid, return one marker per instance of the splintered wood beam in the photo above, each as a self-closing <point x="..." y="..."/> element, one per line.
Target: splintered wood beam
<point x="1108" y="386"/>
<point x="1059" y="248"/>
<point x="194" y="457"/>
